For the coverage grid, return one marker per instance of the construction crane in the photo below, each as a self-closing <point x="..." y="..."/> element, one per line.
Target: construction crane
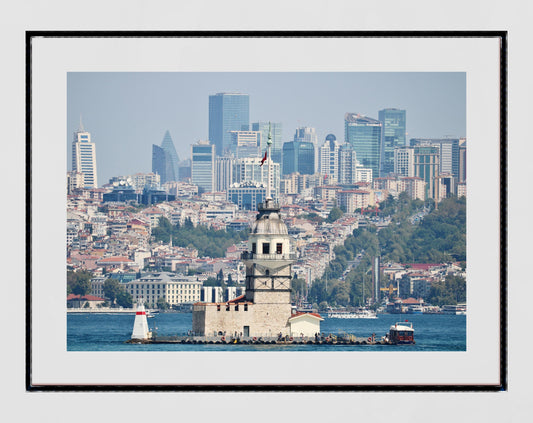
<point x="370" y="211"/>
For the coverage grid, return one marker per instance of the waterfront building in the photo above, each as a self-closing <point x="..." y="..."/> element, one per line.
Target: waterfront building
<point x="227" y="112"/>
<point x="165" y="160"/>
<point x="364" y="134"/>
<point x="328" y="157"/>
<point x="245" y="144"/>
<point x="203" y="166"/>
<point x="393" y="136"/>
<point x="84" y="157"/>
<point x="299" y="156"/>
<point x="173" y="289"/>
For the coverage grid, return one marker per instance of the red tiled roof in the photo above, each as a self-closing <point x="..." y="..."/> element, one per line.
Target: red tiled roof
<point x="85" y="297"/>
<point x="422" y="266"/>
<point x="115" y="259"/>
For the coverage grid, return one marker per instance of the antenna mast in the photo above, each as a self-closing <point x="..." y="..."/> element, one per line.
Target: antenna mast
<point x="269" y="144"/>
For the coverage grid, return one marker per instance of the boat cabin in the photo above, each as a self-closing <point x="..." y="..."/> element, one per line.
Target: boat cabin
<point x="401" y="333"/>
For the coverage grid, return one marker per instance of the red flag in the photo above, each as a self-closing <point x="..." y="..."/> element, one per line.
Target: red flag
<point x="263" y="159"/>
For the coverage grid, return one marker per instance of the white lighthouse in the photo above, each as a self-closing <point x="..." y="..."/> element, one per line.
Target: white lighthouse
<point x="141" y="330"/>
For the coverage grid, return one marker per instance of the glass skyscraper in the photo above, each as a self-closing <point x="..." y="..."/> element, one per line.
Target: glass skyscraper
<point x="393" y="136"/>
<point x="227" y="112"/>
<point x="84" y="157"/>
<point x="299" y="156"/>
<point x="364" y="134"/>
<point x="165" y="160"/>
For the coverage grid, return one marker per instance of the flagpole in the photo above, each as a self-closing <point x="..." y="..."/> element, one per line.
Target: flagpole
<point x="269" y="143"/>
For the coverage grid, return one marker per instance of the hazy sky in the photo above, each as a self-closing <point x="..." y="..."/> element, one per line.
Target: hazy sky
<point x="128" y="112"/>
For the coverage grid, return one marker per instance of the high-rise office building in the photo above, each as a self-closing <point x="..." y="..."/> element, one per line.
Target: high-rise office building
<point x="404" y="161"/>
<point x="308" y="134"/>
<point x="224" y="173"/>
<point x="245" y="144"/>
<point x="276" y="133"/>
<point x="299" y="156"/>
<point x="227" y="112"/>
<point x="426" y="167"/>
<point x="84" y="157"/>
<point x="347" y="164"/>
<point x="203" y="166"/>
<point x="364" y="134"/>
<point x="328" y="157"/>
<point x="393" y="136"/>
<point x="462" y="162"/>
<point x="165" y="160"/>
<point x="448" y="152"/>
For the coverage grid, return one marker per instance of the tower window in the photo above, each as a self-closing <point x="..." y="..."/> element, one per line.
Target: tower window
<point x="266" y="248"/>
<point x="279" y="248"/>
<point x="253" y="247"/>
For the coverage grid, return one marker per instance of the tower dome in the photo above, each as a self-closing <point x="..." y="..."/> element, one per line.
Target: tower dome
<point x="269" y="224"/>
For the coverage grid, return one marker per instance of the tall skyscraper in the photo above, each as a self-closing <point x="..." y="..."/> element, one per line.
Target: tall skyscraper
<point x="308" y="134"/>
<point x="276" y="133"/>
<point x="364" y="134"/>
<point x="203" y="166"/>
<point x="227" y="112"/>
<point x="328" y="157"/>
<point x="298" y="156"/>
<point x="393" y="136"/>
<point x="165" y="160"/>
<point x="84" y="157"/>
<point x="347" y="164"/>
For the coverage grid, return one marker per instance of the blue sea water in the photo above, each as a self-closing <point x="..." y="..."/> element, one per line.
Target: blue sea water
<point x="108" y="332"/>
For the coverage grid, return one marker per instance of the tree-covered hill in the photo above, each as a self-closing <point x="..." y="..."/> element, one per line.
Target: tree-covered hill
<point x="208" y="242"/>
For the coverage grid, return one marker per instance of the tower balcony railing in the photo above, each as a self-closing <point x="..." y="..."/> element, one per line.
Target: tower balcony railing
<point x="247" y="255"/>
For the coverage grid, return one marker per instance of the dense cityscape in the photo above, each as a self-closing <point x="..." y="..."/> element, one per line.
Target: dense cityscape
<point x="376" y="220"/>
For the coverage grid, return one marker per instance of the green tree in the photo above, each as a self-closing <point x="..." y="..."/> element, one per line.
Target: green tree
<point x="298" y="288"/>
<point x="211" y="282"/>
<point x="124" y="299"/>
<point x="79" y="283"/>
<point x="334" y="214"/>
<point x="111" y="289"/>
<point x="162" y="304"/>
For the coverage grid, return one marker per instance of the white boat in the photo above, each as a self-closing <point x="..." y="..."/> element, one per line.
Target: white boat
<point x="358" y="314"/>
<point x="459" y="309"/>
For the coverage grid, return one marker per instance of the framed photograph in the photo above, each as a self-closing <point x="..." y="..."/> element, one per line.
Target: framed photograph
<point x="128" y="96"/>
